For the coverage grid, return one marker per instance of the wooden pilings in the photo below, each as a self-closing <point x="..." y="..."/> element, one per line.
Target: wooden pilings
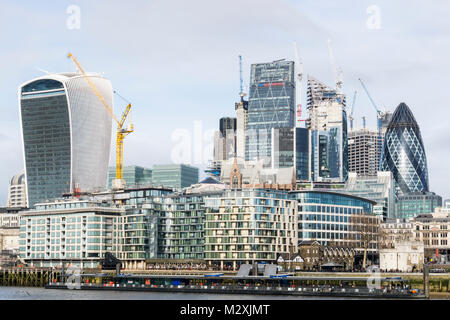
<point x="28" y="277"/>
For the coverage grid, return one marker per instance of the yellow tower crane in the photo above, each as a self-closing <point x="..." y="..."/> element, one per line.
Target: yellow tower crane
<point x="119" y="182"/>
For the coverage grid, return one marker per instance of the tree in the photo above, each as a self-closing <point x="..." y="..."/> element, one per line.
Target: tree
<point x="364" y="232"/>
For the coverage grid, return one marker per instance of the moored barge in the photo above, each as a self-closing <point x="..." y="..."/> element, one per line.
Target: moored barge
<point x="356" y="287"/>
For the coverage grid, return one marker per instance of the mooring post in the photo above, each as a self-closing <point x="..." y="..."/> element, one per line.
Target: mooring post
<point x="62" y="273"/>
<point x="426" y="280"/>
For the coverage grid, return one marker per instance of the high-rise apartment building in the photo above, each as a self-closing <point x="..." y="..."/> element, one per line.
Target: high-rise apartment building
<point x="79" y="231"/>
<point x="404" y="153"/>
<point x="247" y="226"/>
<point x="271" y="104"/>
<point x="17" y="191"/>
<point x="364" y="152"/>
<point x="328" y="124"/>
<point x="66" y="134"/>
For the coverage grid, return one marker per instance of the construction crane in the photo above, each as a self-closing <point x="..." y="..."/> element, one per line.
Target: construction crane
<point x="119" y="182"/>
<point x="338" y="73"/>
<point x="353" y="109"/>
<point x="299" y="84"/>
<point x="241" y="80"/>
<point x="380" y="116"/>
<point x="379" y="113"/>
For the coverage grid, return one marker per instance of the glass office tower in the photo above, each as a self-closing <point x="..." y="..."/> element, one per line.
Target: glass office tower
<point x="66" y="134"/>
<point x="404" y="153"/>
<point x="134" y="176"/>
<point x="174" y="175"/>
<point x="271" y="104"/>
<point x="302" y="164"/>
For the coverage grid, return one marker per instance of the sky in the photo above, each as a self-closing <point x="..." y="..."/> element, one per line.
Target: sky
<point x="177" y="62"/>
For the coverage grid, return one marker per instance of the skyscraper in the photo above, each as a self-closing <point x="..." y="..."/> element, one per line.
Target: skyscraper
<point x="225" y="140"/>
<point x="364" y="152"/>
<point x="241" y="126"/>
<point x="290" y="148"/>
<point x="283" y="147"/>
<point x="66" y="134"/>
<point x="302" y="154"/>
<point x="271" y="105"/>
<point x="227" y="125"/>
<point x="404" y="153"/>
<point x="328" y="124"/>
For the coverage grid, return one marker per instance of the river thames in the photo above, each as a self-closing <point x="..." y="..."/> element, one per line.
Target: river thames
<point x="29" y="293"/>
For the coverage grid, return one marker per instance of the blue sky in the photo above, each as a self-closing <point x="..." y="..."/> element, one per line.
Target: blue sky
<point x="177" y="62"/>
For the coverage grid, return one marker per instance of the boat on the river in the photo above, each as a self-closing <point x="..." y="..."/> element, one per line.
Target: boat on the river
<point x="359" y="287"/>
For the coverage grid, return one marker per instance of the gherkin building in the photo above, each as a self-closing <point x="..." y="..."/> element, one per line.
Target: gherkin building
<point x="404" y="153"/>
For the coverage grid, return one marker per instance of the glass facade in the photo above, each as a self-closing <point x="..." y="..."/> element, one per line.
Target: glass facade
<point x="404" y="153"/>
<point x="134" y="176"/>
<point x="66" y="134"/>
<point x="412" y="204"/>
<point x="302" y="154"/>
<point x="79" y="231"/>
<point x="139" y="238"/>
<point x="379" y="188"/>
<point x="329" y="159"/>
<point x="46" y="138"/>
<point x="227" y="124"/>
<point x="333" y="217"/>
<point x="332" y="198"/>
<point x="174" y="175"/>
<point x="283" y="147"/>
<point x="328" y="124"/>
<point x="271" y="105"/>
<point x="246" y="226"/>
<point x="181" y="227"/>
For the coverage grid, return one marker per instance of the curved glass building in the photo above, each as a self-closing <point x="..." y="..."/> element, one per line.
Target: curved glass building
<point x="404" y="153"/>
<point x="328" y="216"/>
<point x="66" y="134"/>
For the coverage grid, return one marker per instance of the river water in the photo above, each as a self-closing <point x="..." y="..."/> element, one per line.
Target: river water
<point x="26" y="293"/>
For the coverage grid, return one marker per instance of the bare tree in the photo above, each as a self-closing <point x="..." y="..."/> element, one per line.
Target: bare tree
<point x="364" y="232"/>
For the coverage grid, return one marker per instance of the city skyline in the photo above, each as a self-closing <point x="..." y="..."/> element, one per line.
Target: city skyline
<point x="207" y="95"/>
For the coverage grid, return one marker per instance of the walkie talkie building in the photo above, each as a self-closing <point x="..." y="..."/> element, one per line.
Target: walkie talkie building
<point x="404" y="153"/>
<point x="66" y="134"/>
